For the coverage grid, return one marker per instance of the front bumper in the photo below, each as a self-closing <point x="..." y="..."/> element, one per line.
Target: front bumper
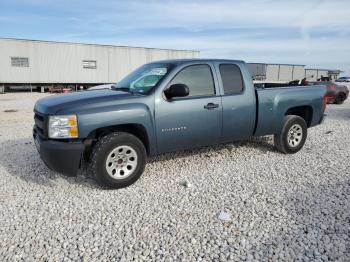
<point x="62" y="157"/>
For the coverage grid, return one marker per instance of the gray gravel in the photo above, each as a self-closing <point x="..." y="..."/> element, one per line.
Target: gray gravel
<point x="281" y="207"/>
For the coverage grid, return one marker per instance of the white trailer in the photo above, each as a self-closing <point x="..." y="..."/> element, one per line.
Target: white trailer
<point x="39" y="63"/>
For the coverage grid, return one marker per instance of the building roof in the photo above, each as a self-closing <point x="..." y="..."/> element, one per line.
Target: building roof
<point x="336" y="71"/>
<point x="79" y="43"/>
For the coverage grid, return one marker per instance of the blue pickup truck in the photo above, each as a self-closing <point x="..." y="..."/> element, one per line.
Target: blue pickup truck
<point x="168" y="106"/>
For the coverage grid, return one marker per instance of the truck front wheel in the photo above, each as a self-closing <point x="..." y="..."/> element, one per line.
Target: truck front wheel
<point x="118" y="160"/>
<point x="292" y="136"/>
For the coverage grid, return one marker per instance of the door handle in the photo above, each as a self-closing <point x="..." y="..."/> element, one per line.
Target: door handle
<point x="211" y="106"/>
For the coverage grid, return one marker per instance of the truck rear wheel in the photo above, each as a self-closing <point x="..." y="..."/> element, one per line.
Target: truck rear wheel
<point x="118" y="160"/>
<point x="292" y="136"/>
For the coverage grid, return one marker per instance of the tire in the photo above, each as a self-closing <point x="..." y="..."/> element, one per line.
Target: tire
<point x="128" y="162"/>
<point x="292" y="126"/>
<point x="340" y="99"/>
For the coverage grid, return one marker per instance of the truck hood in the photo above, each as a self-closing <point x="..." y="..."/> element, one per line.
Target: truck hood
<point x="52" y="104"/>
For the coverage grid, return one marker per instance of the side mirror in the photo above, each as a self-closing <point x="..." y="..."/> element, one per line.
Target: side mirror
<point x="177" y="90"/>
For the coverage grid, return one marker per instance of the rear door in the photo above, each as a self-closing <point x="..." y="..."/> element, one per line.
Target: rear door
<point x="238" y="101"/>
<point x="191" y="121"/>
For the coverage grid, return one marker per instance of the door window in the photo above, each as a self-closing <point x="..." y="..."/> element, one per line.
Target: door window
<point x="198" y="78"/>
<point x="231" y="79"/>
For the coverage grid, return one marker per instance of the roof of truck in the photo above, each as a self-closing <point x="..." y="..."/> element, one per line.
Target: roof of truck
<point x="186" y="60"/>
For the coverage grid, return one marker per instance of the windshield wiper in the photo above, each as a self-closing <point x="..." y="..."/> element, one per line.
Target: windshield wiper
<point x="126" y="89"/>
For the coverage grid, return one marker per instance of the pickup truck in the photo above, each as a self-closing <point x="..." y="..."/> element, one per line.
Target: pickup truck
<point x="168" y="106"/>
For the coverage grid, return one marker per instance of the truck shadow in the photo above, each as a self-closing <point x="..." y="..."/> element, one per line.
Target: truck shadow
<point x="21" y="159"/>
<point x="261" y="144"/>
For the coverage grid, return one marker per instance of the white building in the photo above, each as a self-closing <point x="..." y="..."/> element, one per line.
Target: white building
<point x="314" y="74"/>
<point x="276" y="72"/>
<point x="282" y="73"/>
<point x="45" y="63"/>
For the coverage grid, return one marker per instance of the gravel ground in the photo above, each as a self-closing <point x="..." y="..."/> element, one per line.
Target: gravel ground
<point x="280" y="207"/>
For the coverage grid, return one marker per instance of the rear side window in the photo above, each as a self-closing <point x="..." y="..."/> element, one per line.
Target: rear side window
<point x="231" y="79"/>
<point x="198" y="78"/>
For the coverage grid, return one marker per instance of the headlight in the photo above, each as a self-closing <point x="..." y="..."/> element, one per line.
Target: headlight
<point x="63" y="126"/>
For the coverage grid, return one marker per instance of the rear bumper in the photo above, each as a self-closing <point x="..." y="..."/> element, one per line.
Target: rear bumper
<point x="62" y="157"/>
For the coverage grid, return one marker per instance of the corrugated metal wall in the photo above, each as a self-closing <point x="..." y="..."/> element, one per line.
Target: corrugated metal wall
<point x="311" y="75"/>
<point x="298" y="72"/>
<point x="323" y="73"/>
<point x="314" y="74"/>
<point x="284" y="73"/>
<point x="272" y="72"/>
<point x="257" y="71"/>
<point x="52" y="62"/>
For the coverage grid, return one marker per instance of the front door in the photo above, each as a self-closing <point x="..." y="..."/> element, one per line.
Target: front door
<point x="191" y="121"/>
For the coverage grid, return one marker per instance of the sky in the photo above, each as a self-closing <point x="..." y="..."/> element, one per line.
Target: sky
<point x="315" y="33"/>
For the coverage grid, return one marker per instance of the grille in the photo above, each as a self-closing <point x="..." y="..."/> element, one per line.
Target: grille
<point x="40" y="121"/>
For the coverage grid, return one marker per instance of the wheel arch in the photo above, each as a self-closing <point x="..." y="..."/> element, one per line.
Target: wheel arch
<point x="305" y="112"/>
<point x="135" y="129"/>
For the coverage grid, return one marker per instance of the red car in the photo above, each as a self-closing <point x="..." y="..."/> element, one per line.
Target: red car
<point x="336" y="94"/>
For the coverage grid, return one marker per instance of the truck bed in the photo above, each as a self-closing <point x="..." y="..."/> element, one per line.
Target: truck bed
<point x="273" y="104"/>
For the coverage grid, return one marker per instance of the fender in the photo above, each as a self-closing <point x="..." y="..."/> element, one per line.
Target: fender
<point x="116" y="113"/>
<point x="282" y="103"/>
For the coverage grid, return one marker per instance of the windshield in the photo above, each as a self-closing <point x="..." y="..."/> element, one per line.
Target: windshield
<point x="143" y="79"/>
